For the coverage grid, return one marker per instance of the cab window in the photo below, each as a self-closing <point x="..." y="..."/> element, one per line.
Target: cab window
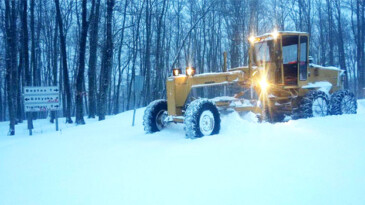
<point x="290" y="54"/>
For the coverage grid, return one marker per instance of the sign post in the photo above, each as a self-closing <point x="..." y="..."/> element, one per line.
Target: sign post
<point x="56" y="118"/>
<point x="138" y="86"/>
<point x="41" y="99"/>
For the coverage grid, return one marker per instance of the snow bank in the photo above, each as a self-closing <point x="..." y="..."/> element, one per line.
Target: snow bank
<point x="324" y="86"/>
<point x="310" y="161"/>
<point x="325" y="67"/>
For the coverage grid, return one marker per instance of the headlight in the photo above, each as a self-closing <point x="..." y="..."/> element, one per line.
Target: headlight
<point x="190" y="71"/>
<point x="264" y="85"/>
<point x="176" y="71"/>
<point x="275" y="34"/>
<point x="252" y="39"/>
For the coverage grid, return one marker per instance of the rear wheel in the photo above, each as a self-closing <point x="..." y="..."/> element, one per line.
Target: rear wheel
<point x="154" y="116"/>
<point x="314" y="104"/>
<point x="343" y="102"/>
<point x="201" y="119"/>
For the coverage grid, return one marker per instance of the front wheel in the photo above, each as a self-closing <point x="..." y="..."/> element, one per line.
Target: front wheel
<point x="201" y="119"/>
<point x="154" y="116"/>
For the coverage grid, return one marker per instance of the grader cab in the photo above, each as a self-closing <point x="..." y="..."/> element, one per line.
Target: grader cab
<point x="279" y="81"/>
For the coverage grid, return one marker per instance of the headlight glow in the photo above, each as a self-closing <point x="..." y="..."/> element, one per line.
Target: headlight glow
<point x="252" y="39"/>
<point x="275" y="34"/>
<point x="264" y="85"/>
<point x="190" y="71"/>
<point x="176" y="71"/>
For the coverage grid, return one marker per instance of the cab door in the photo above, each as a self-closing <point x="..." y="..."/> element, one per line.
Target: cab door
<point x="290" y="54"/>
<point x="303" y="59"/>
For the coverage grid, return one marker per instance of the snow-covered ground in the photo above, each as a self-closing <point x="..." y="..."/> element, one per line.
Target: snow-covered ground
<point x="309" y="161"/>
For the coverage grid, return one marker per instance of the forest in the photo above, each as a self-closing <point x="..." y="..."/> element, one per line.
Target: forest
<point x="95" y="50"/>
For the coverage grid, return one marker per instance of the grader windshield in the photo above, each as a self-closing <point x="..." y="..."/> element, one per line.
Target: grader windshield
<point x="264" y="52"/>
<point x="266" y="55"/>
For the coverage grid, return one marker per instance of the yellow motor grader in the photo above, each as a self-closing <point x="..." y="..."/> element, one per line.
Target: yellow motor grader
<point x="279" y="81"/>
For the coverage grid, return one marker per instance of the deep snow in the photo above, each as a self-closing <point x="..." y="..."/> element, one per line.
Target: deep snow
<point x="308" y="161"/>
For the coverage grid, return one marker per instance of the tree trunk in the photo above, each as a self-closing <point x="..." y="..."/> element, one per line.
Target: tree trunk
<point x="158" y="66"/>
<point x="362" y="51"/>
<point x="321" y="35"/>
<point x="147" y="63"/>
<point x="359" y="49"/>
<point x="80" y="74"/>
<point x="10" y="24"/>
<point x="120" y="70"/>
<point x="93" y="41"/>
<point x="25" y="55"/>
<point x="105" y="73"/>
<point x="64" y="64"/>
<point x="340" y="41"/>
<point x="33" y="52"/>
<point x="330" y="33"/>
<point x="1" y="102"/>
<point x="55" y="65"/>
<point x="33" y="61"/>
<point x="135" y="49"/>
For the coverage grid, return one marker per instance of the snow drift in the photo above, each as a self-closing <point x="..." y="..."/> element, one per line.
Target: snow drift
<point x="308" y="161"/>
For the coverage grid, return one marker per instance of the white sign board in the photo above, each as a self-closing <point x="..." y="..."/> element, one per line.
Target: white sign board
<point x="37" y="99"/>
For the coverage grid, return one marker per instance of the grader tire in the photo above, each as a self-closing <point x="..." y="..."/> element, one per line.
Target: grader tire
<point x="343" y="102"/>
<point x="201" y="119"/>
<point x="314" y="104"/>
<point x="153" y="118"/>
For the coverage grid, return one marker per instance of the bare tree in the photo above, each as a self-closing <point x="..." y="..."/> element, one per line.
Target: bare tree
<point x="25" y="54"/>
<point x="106" y="66"/>
<point x="11" y="62"/>
<point x="120" y="69"/>
<point x="340" y="40"/>
<point x="81" y="69"/>
<point x="64" y="63"/>
<point x="93" y="41"/>
<point x="330" y="32"/>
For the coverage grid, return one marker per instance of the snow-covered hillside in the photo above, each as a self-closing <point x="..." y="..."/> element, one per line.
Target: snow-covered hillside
<point x="309" y="161"/>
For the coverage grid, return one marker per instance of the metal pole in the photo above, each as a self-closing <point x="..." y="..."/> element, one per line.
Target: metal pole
<point x="30" y="130"/>
<point x="225" y="70"/>
<point x="225" y="62"/>
<point x="134" y="102"/>
<point x="134" y="116"/>
<point x="29" y="122"/>
<point x="56" y="120"/>
<point x="250" y="60"/>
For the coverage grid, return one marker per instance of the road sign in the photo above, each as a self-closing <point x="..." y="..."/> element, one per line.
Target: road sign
<point x="38" y="99"/>
<point x="40" y="107"/>
<point x="41" y="90"/>
<point x="41" y="99"/>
